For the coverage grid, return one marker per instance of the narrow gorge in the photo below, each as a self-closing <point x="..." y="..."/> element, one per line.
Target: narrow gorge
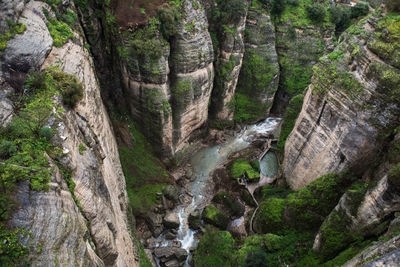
<point x="173" y="133"/>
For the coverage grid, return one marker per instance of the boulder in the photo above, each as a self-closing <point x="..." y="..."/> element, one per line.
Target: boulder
<point x="171" y="192"/>
<point x="171" y="220"/>
<point x="195" y="219"/>
<point x="214" y="216"/>
<point x="238" y="227"/>
<point x="171" y="256"/>
<point x="155" y="221"/>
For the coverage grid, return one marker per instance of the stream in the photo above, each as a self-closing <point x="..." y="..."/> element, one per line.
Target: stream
<point x="204" y="162"/>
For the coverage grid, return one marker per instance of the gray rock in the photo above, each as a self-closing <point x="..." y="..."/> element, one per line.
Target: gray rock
<point x="155" y="223"/>
<point x="28" y="50"/>
<point x="168" y="254"/>
<point x="10" y="10"/>
<point x="171" y="192"/>
<point x="238" y="227"/>
<point x="338" y="128"/>
<point x="195" y="219"/>
<point x="171" y="220"/>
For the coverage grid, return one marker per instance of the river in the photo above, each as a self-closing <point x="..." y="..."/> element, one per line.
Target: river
<point x="204" y="162"/>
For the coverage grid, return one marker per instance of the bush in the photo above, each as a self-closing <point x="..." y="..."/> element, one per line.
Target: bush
<point x="7" y="148"/>
<point x="256" y="258"/>
<point x="277" y="7"/>
<point x="293" y="2"/>
<point x="71" y="88"/>
<point x="316" y="12"/>
<point x="59" y="31"/>
<point x="231" y="11"/>
<point x="46" y="132"/>
<point x="340" y="17"/>
<point x="360" y="9"/>
<point x="169" y="20"/>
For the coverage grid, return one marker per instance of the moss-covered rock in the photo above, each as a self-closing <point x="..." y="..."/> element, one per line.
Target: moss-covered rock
<point x="244" y="167"/>
<point x="269" y="217"/>
<point x="215" y="217"/>
<point x="230" y="203"/>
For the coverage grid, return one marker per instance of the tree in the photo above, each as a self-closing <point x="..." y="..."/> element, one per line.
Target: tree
<point x="316" y="12"/>
<point x="256" y="258"/>
<point x="360" y="9"/>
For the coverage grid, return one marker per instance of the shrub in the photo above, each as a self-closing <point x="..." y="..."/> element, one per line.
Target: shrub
<point x="340" y="17"/>
<point x="59" y="31"/>
<point x="293" y="2"/>
<point x="231" y="11"/>
<point x="82" y="149"/>
<point x="360" y="9"/>
<point x="7" y="148"/>
<point x="256" y="258"/>
<point x="215" y="249"/>
<point x="316" y="12"/>
<point x="277" y="7"/>
<point x="71" y="88"/>
<point x="46" y="132"/>
<point x="169" y="20"/>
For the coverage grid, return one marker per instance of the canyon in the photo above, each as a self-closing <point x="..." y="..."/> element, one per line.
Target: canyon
<point x="199" y="133"/>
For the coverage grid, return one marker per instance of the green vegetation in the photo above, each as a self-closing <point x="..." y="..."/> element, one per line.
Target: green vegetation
<point x="304" y="209"/>
<point x="340" y="16"/>
<point x="289" y="119"/>
<point x="316" y="12"/>
<point x="230" y="203"/>
<point x="216" y="248"/>
<point x="243" y="166"/>
<point x="169" y="18"/>
<point x="360" y="9"/>
<point x="24" y="152"/>
<point x="82" y="149"/>
<point x="14" y="28"/>
<point x="59" y="30"/>
<point x="394" y="175"/>
<point x="145" y="175"/>
<point x="228" y="12"/>
<point x="214" y="216"/>
<point x="246" y="109"/>
<point x="387" y="45"/>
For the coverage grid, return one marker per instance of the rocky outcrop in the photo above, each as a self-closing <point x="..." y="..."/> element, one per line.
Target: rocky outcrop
<point x="382" y="254"/>
<point x="169" y="93"/>
<point x="95" y="231"/>
<point x="28" y="51"/>
<point x="259" y="75"/>
<point x="227" y="65"/>
<point x="10" y="10"/>
<point x="171" y="256"/>
<point x="361" y="212"/>
<point x="192" y="74"/>
<point x="347" y="109"/>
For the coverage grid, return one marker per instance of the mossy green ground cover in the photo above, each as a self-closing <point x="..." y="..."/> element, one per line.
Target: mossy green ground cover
<point x="14" y="28"/>
<point x="24" y="150"/>
<point x="242" y="166"/>
<point x="145" y="174"/>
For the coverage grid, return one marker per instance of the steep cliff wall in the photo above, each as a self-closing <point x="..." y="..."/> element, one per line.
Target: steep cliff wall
<point x="349" y="107"/>
<point x="84" y="224"/>
<point x="259" y="76"/>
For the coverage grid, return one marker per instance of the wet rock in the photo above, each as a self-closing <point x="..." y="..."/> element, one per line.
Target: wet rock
<point x="172" y="263"/>
<point x="189" y="173"/>
<point x="171" y="255"/>
<point x="194" y="219"/>
<point x="171" y="220"/>
<point x="155" y="223"/>
<point x="238" y="227"/>
<point x="214" y="216"/>
<point x="171" y="192"/>
<point x="170" y="235"/>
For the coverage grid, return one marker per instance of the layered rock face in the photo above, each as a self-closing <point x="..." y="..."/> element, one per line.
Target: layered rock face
<point x="228" y="66"/>
<point x="95" y="232"/>
<point x="169" y="93"/>
<point x="351" y="103"/>
<point x="259" y="76"/>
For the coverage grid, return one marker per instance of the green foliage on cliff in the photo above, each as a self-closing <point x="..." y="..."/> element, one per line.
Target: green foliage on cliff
<point x="304" y="209"/>
<point x="14" y="28"/>
<point x="59" y="30"/>
<point x="214" y="216"/>
<point x="216" y="248"/>
<point x="243" y="166"/>
<point x="289" y="119"/>
<point x="145" y="175"/>
<point x="246" y="110"/>
<point x="230" y="203"/>
<point x="24" y="151"/>
<point x="228" y="11"/>
<point x="316" y="12"/>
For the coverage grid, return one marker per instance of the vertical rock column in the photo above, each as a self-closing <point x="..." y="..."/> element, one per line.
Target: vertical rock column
<point x="192" y="74"/>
